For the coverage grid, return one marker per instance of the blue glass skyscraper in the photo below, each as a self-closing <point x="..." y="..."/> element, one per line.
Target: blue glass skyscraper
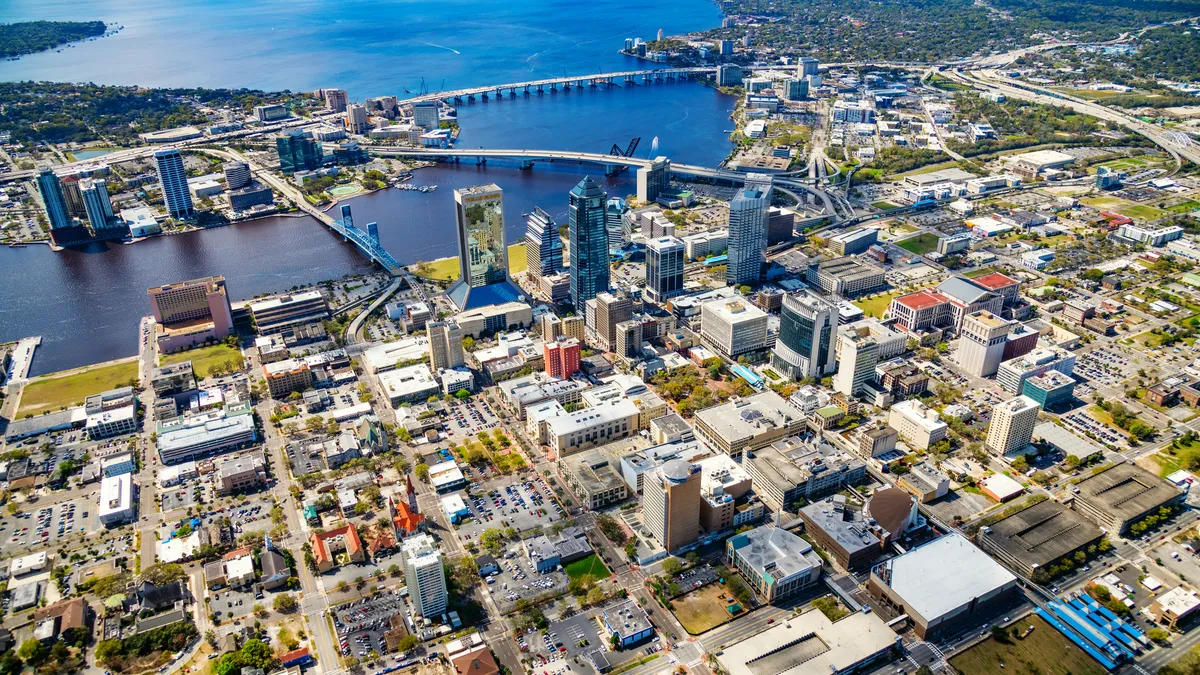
<point x="172" y="178"/>
<point x="52" y="195"/>
<point x="589" y="241"/>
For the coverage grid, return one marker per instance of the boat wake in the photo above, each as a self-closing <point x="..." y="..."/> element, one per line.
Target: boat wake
<point x="441" y="47"/>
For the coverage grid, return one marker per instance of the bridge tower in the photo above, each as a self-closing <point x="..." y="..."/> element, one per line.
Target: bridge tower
<point x="373" y="232"/>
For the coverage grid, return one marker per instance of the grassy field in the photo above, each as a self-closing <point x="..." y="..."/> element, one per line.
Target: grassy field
<point x="203" y="358"/>
<point x="446" y="269"/>
<point x="702" y="609"/>
<point x="885" y="206"/>
<point x="1184" y="207"/>
<point x="1107" y="203"/>
<point x="52" y="393"/>
<point x="877" y="305"/>
<point x="921" y="244"/>
<point x="980" y="272"/>
<point x="591" y="565"/>
<point x="1045" y="651"/>
<point x="1144" y="212"/>
<point x="1172" y="459"/>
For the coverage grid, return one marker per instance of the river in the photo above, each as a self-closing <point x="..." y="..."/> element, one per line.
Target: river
<point x="86" y="303"/>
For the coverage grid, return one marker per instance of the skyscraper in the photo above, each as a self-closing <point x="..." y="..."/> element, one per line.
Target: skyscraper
<point x="654" y="179"/>
<point x="297" y="153"/>
<point x="482" y="254"/>
<point x="172" y="178"/>
<point x="237" y="174"/>
<point x="97" y="204"/>
<point x="981" y="347"/>
<point x="543" y="245"/>
<point x="356" y="119"/>
<point x="74" y="197"/>
<point x="614" y="222"/>
<point x="425" y="114"/>
<point x="1012" y="424"/>
<point x="664" y="269"/>
<point x="445" y="345"/>
<point x="52" y="196"/>
<point x="747" y="235"/>
<point x="610" y="310"/>
<point x="335" y="99"/>
<point x="671" y="503"/>
<point x="805" y="347"/>
<point x="856" y="363"/>
<point x="424" y="575"/>
<point x="807" y="66"/>
<point x="589" y="241"/>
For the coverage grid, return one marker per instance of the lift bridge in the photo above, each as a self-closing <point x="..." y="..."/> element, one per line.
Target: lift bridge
<point x="367" y="242"/>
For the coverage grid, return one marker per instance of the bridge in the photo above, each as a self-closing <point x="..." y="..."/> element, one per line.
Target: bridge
<point x="610" y="162"/>
<point x="566" y="83"/>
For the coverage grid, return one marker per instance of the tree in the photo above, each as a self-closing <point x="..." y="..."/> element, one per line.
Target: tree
<point x="672" y="566"/>
<point x="33" y="651"/>
<point x="422" y="471"/>
<point x="1158" y="635"/>
<point x="342" y="586"/>
<point x="468" y="343"/>
<point x="252" y="654"/>
<point x="259" y="610"/>
<point x="285" y="603"/>
<point x="163" y="573"/>
<point x="10" y="663"/>
<point x="407" y="643"/>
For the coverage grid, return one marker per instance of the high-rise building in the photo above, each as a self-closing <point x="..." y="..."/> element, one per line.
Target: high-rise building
<point x="237" y="174"/>
<point x="747" y="236"/>
<point x="611" y="309"/>
<point x="571" y="326"/>
<point x="543" y="245"/>
<point x="806" y="346"/>
<point x="425" y="115"/>
<point x="807" y="66"/>
<point x="729" y="75"/>
<point x="335" y="99"/>
<point x="297" y="153"/>
<point x="73" y="196"/>
<point x="445" y="345"/>
<point x="856" y="363"/>
<point x="97" y="204"/>
<point x="52" y="196"/>
<point x="357" y="121"/>
<point x="424" y="575"/>
<point x="733" y="326"/>
<point x="588" y="239"/>
<point x="795" y="89"/>
<point x="1012" y="424"/>
<point x="671" y="503"/>
<point x="781" y="225"/>
<point x="664" y="269"/>
<point x="614" y="222"/>
<point x="189" y="312"/>
<point x="653" y="180"/>
<point x="482" y="253"/>
<point x="725" y="47"/>
<point x="562" y="357"/>
<point x="981" y="347"/>
<point x="172" y="178"/>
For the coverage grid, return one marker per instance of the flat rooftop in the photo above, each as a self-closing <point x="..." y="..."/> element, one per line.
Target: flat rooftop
<point x="1042" y="533"/>
<point x="810" y="644"/>
<point x="943" y="575"/>
<point x="844" y="525"/>
<point x="1126" y="490"/>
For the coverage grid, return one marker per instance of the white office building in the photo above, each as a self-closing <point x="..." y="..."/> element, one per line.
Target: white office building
<point x="917" y="424"/>
<point x="1012" y="424"/>
<point x="733" y="326"/>
<point x="424" y="575"/>
<point x="856" y="363"/>
<point x="116" y="501"/>
<point x="981" y="346"/>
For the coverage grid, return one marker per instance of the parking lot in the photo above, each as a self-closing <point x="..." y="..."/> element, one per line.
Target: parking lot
<point x="469" y="418"/>
<point x="252" y="516"/>
<point x="518" y="578"/>
<point x="233" y="604"/>
<point x="1084" y="423"/>
<point x="46" y="525"/>
<point x="361" y="624"/>
<point x="576" y="636"/>
<point x="690" y="580"/>
<point x="501" y="504"/>
<point x="1104" y="367"/>
<point x="181" y="497"/>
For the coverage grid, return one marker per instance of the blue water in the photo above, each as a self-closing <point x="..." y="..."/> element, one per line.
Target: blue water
<point x="368" y="47"/>
<point x="86" y="304"/>
<point x="84" y="155"/>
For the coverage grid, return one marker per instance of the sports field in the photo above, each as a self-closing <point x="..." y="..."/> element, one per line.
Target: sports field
<point x="921" y="244"/>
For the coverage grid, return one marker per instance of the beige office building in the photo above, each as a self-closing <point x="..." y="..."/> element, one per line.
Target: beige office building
<point x="671" y="503"/>
<point x="611" y="309"/>
<point x="554" y="327"/>
<point x="1012" y="424"/>
<point x="732" y="327"/>
<point x="445" y="345"/>
<point x="981" y="348"/>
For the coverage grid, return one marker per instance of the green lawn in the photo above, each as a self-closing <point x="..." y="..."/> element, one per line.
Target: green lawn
<point x="1143" y="212"/>
<point x="51" y="392"/>
<point x="590" y="565"/>
<point x="920" y="244"/>
<point x="1184" y="207"/>
<point x="885" y="206"/>
<point x="1045" y="651"/>
<point x="877" y="305"/>
<point x="1172" y="459"/>
<point x="204" y="358"/>
<point x="446" y="269"/>
<point x="1106" y="203"/>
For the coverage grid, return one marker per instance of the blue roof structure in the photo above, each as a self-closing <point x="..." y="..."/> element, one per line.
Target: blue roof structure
<point x="464" y="297"/>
